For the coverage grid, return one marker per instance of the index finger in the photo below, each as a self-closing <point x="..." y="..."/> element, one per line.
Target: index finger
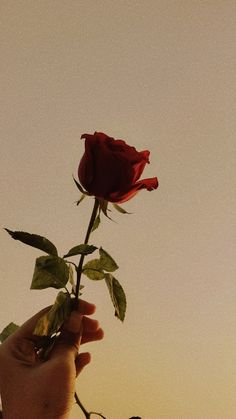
<point x="83" y="307"/>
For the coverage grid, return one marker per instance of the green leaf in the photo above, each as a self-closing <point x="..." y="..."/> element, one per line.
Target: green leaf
<point x="79" y="187"/>
<point x="104" y="208"/>
<point x="34" y="240"/>
<point x="81" y="199"/>
<point x="81" y="249"/>
<point x="50" y="271"/>
<point x="107" y="262"/>
<point x="71" y="277"/>
<point x="52" y="321"/>
<point x="93" y="270"/>
<point x="120" y="209"/>
<point x="8" y="330"/>
<point x="96" y="223"/>
<point x="117" y="295"/>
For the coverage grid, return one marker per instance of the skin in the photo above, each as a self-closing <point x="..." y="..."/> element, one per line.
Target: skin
<point x="33" y="388"/>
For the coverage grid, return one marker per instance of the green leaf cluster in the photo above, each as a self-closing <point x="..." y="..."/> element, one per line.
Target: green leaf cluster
<point x="50" y="270"/>
<point x="95" y="269"/>
<point x="53" y="271"/>
<point x="102" y="268"/>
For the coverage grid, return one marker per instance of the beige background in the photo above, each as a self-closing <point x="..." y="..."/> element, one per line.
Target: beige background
<point x="160" y="74"/>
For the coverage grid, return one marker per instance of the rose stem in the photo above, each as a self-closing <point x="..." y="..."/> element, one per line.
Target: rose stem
<point x="86" y="414"/>
<point x="80" y="266"/>
<point x="79" y="272"/>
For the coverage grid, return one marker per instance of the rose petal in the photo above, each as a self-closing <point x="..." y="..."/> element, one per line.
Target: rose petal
<point x="149" y="184"/>
<point x="110" y="169"/>
<point x="107" y="171"/>
<point x="139" y="166"/>
<point x="86" y="167"/>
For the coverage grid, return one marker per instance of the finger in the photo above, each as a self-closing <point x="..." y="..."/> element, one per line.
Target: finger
<point x="81" y="361"/>
<point x="77" y="329"/>
<point x="92" y="336"/>
<point x="91" y="328"/>
<point x="84" y="307"/>
<point x="72" y="324"/>
<point x="90" y="325"/>
<point x="67" y="344"/>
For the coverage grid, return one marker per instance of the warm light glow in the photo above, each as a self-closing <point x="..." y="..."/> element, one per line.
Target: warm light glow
<point x="161" y="75"/>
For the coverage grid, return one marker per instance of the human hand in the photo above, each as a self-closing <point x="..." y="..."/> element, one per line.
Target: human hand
<point x="34" y="388"/>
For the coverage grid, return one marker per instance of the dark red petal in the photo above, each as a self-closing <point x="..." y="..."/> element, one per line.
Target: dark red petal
<point x="112" y="173"/>
<point x="86" y="165"/>
<point x="145" y="155"/>
<point x="103" y="171"/>
<point x="87" y="136"/>
<point x="110" y="168"/>
<point x="149" y="184"/>
<point x="130" y="153"/>
<point x="139" y="166"/>
<point x="101" y="136"/>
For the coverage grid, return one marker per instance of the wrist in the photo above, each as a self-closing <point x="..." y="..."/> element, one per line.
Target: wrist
<point x="29" y="412"/>
<point x="13" y="414"/>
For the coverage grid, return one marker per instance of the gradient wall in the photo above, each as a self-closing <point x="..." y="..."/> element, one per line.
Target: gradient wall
<point x="160" y="74"/>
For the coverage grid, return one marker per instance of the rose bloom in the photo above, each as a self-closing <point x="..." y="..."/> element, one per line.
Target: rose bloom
<point x="110" y="169"/>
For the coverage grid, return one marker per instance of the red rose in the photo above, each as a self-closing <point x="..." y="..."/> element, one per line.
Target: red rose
<point x="110" y="169"/>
